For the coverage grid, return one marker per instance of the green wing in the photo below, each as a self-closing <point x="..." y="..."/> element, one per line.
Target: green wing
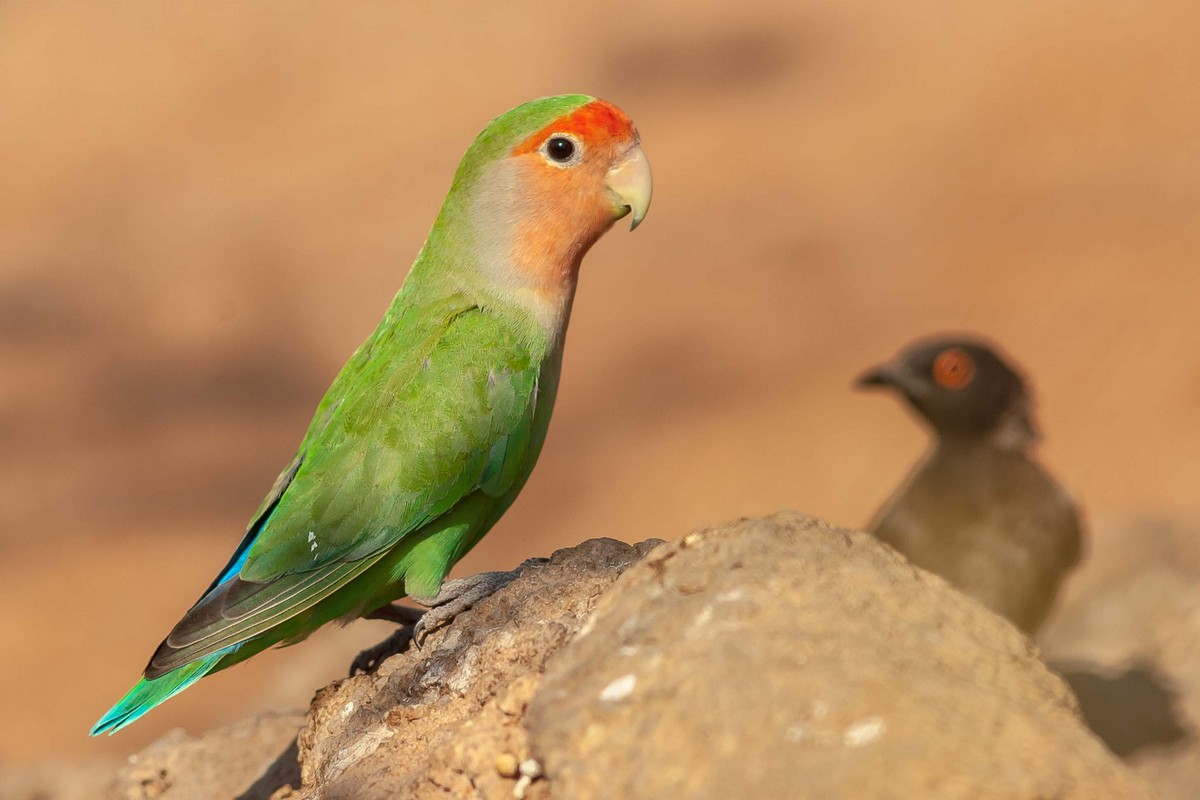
<point x="406" y="432"/>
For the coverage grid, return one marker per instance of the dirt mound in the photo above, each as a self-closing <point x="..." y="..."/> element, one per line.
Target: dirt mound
<point x="777" y="657"/>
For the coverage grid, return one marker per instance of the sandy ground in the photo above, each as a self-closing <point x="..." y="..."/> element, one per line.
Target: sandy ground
<point x="206" y="207"/>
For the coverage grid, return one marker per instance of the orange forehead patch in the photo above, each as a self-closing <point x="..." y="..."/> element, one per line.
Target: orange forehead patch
<point x="597" y="123"/>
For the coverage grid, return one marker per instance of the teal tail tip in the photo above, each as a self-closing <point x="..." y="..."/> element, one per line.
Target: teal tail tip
<point x="148" y="694"/>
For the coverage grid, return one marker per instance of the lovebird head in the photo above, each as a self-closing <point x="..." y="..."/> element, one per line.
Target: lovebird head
<point x="534" y="191"/>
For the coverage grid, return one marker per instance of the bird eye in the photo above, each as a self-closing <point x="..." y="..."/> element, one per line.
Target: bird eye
<point x="953" y="369"/>
<point x="561" y="149"/>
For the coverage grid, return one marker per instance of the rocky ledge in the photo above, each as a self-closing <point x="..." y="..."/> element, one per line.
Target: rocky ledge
<point x="767" y="658"/>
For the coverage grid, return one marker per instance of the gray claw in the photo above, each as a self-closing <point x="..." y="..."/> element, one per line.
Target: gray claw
<point x="458" y="595"/>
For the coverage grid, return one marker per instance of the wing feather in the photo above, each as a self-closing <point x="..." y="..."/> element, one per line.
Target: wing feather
<point x="402" y="439"/>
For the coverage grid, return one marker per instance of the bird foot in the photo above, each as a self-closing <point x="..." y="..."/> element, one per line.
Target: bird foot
<point x="404" y="616"/>
<point x="455" y="597"/>
<point x="458" y="595"/>
<point x="394" y="612"/>
<point x="369" y="660"/>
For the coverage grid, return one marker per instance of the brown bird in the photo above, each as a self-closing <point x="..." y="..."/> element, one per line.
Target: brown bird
<point x="978" y="509"/>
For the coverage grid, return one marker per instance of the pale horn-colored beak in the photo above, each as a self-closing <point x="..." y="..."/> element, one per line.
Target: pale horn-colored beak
<point x="629" y="181"/>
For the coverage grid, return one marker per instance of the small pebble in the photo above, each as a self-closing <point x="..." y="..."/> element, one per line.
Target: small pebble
<point x="506" y="765"/>
<point x="531" y="770"/>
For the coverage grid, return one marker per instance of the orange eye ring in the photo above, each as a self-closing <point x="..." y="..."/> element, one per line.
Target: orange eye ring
<point x="953" y="369"/>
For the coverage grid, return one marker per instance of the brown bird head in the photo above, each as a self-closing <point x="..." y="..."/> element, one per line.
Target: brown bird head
<point x="963" y="388"/>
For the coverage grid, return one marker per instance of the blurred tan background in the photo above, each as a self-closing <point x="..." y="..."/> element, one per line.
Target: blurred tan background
<point x="205" y="207"/>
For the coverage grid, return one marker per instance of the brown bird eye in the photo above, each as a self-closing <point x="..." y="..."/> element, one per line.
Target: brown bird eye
<point x="560" y="149"/>
<point x="953" y="369"/>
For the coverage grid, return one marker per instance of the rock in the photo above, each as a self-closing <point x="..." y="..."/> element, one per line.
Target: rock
<point x="1127" y="639"/>
<point x="773" y="658"/>
<point x="447" y="721"/>
<point x="248" y="761"/>
<point x="784" y="658"/>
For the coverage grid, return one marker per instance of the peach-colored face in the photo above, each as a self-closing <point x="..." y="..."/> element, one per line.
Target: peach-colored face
<point x="568" y="204"/>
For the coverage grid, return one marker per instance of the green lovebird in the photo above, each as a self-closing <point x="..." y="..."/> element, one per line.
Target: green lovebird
<point x="431" y="429"/>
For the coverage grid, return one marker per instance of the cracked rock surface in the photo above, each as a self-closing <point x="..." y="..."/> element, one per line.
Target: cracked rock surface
<point x="767" y="658"/>
<point x="434" y="723"/>
<point x="785" y="658"/>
